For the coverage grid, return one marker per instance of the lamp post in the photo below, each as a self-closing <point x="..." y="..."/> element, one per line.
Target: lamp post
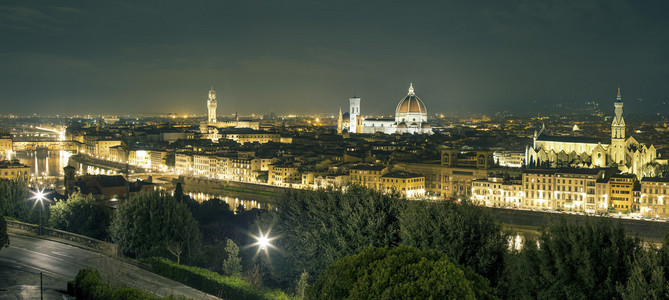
<point x="263" y="241"/>
<point x="39" y="196"/>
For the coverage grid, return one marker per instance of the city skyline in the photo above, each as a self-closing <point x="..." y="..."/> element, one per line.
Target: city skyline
<point x="302" y="57"/>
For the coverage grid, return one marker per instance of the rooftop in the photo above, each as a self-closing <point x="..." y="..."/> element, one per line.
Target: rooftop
<point x="368" y="168"/>
<point x="573" y="139"/>
<point x="401" y="174"/>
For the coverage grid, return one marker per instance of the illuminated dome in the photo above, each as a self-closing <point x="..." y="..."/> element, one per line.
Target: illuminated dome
<point x="411" y="109"/>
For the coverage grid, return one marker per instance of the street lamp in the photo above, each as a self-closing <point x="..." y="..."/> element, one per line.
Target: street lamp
<point x="40" y="196"/>
<point x="263" y="241"/>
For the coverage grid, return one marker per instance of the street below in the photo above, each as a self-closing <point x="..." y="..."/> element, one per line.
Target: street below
<point x="27" y="256"/>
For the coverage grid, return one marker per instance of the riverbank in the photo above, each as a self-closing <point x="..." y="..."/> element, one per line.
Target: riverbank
<point x="528" y="220"/>
<point x="234" y="189"/>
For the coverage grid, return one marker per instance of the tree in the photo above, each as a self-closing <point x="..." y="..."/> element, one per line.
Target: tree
<point x="466" y="233"/>
<point x="4" y="237"/>
<point x="16" y="202"/>
<point x="81" y="215"/>
<point x="315" y="228"/>
<point x="584" y="260"/>
<point x="178" y="192"/>
<point x="647" y="277"/>
<point x="232" y="265"/>
<point x="150" y="222"/>
<point x="211" y="211"/>
<point x="399" y="272"/>
<point x="302" y="284"/>
<point x="176" y="249"/>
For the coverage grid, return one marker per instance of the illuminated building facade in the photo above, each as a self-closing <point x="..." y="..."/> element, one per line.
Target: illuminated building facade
<point x="367" y="175"/>
<point x="627" y="154"/>
<point x="211" y="128"/>
<point x="654" y="199"/>
<point x="410" y="185"/>
<point x="13" y="170"/>
<point x="410" y="117"/>
<point x="496" y="191"/>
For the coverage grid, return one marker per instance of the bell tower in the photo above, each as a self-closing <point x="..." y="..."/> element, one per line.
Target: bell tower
<point x="211" y="106"/>
<point x="354" y="112"/>
<point x="618" y="132"/>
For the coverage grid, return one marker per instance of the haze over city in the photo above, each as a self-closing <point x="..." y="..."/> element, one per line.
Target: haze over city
<point x="124" y="57"/>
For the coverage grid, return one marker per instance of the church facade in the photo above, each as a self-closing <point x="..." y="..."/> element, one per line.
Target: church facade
<point x="410" y="117"/>
<point x="626" y="153"/>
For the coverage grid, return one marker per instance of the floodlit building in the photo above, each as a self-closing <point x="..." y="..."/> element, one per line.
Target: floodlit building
<point x="453" y="175"/>
<point x="410" y="185"/>
<point x="621" y="192"/>
<point x="283" y="174"/>
<point x="13" y="170"/>
<point x="497" y="191"/>
<point x="212" y="127"/>
<point x="654" y="198"/>
<point x="626" y="153"/>
<point x="367" y="175"/>
<point x="410" y="117"/>
<point x="564" y="189"/>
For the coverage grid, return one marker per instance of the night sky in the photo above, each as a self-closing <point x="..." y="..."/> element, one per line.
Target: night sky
<point x="309" y="56"/>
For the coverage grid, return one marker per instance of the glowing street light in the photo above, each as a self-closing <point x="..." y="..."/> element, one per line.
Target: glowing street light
<point x="40" y="196"/>
<point x="263" y="241"/>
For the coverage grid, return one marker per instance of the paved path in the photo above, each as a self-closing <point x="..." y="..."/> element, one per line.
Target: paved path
<point x="27" y="256"/>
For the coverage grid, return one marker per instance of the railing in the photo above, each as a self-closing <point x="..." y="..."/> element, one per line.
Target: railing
<point x="105" y="247"/>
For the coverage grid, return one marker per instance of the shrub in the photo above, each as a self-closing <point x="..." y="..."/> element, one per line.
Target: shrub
<point x="228" y="287"/>
<point x="89" y="285"/>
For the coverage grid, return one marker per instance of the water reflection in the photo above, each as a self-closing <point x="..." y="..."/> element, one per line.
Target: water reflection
<point x="233" y="202"/>
<point x="44" y="163"/>
<point x="518" y="237"/>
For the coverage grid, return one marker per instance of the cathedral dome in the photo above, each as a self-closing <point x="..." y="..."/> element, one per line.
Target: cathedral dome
<point x="402" y="125"/>
<point x="411" y="104"/>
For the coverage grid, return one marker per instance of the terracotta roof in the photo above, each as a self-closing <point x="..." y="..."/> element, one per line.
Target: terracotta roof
<point x="411" y="104"/>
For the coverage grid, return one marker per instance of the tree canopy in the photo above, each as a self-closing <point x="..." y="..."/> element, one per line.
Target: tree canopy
<point x="4" y="237"/>
<point x="400" y="272"/>
<point x="465" y="232"/>
<point x="16" y="202"/>
<point x="151" y="222"/>
<point x="81" y="215"/>
<point x="573" y="261"/>
<point x="318" y="227"/>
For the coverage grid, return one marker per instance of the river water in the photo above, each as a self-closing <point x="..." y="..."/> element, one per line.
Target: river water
<point x="44" y="163"/>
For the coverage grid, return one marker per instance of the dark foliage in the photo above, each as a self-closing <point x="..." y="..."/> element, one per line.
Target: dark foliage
<point x="573" y="261"/>
<point x="4" y="237"/>
<point x="399" y="273"/>
<point x="151" y="222"/>
<point x="465" y="232"/>
<point x="315" y="228"/>
<point x="82" y="216"/>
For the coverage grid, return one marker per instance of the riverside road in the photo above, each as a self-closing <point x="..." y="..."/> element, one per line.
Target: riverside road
<point x="27" y="256"/>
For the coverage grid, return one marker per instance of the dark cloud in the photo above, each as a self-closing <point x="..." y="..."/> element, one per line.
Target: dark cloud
<point x="309" y="56"/>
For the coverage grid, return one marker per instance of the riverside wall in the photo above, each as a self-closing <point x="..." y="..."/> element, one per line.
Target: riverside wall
<point x="105" y="247"/>
<point x="535" y="220"/>
<point x="242" y="190"/>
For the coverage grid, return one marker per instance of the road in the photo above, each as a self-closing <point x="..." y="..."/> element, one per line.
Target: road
<point x="27" y="256"/>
